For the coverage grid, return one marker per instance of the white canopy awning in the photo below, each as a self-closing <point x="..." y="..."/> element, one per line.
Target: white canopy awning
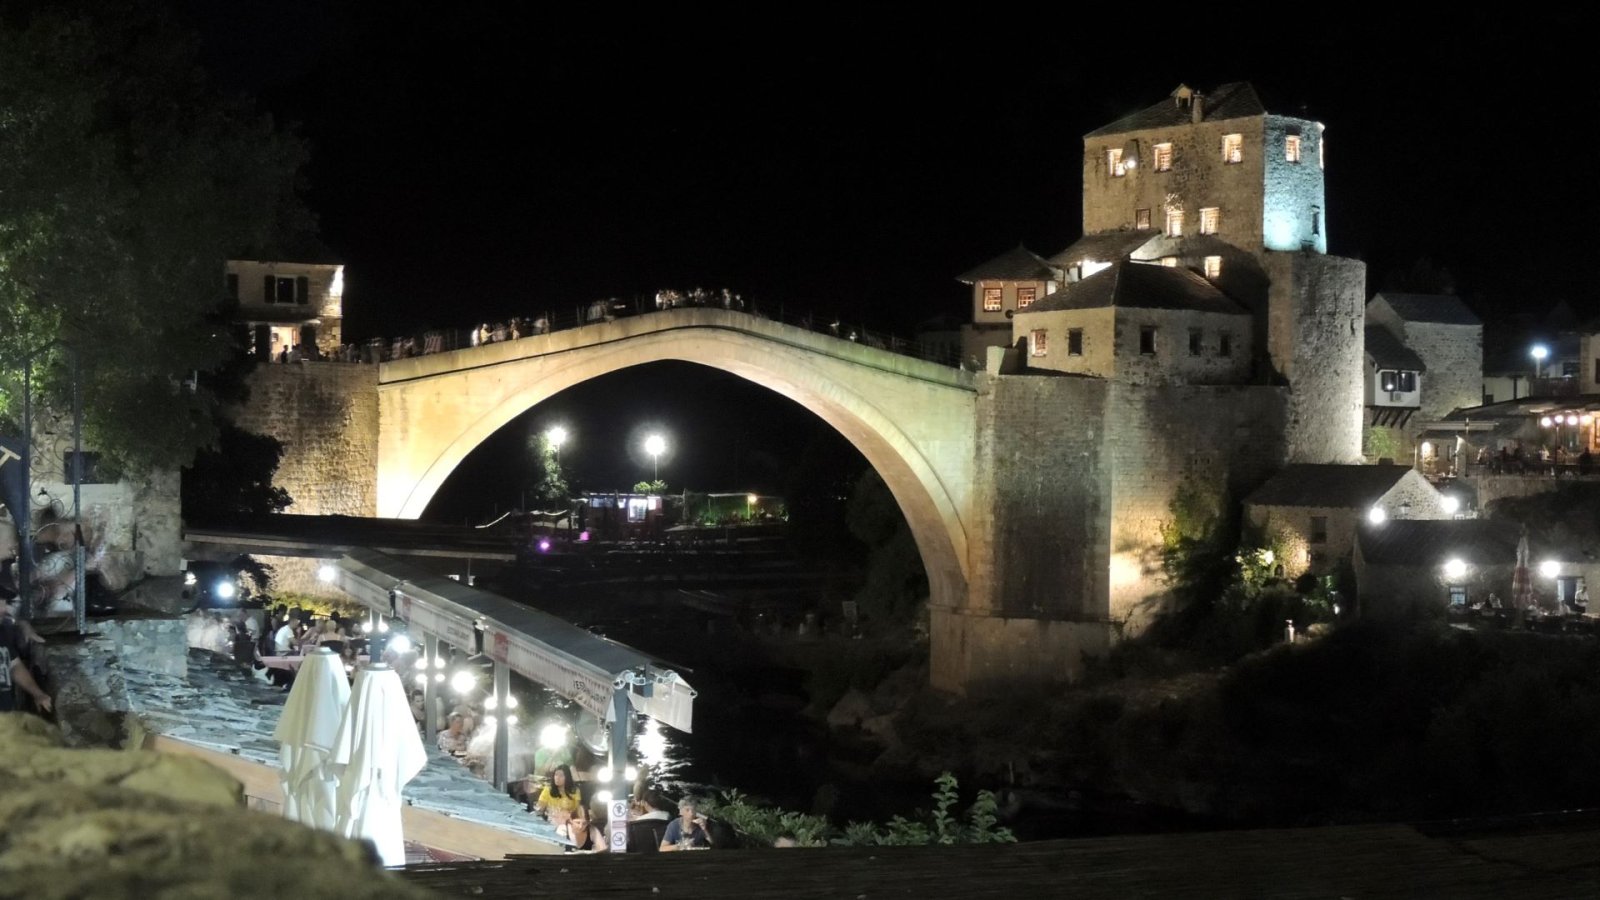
<point x="569" y="660"/>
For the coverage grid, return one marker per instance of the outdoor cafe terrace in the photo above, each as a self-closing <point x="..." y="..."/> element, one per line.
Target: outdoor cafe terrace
<point x="1553" y="437"/>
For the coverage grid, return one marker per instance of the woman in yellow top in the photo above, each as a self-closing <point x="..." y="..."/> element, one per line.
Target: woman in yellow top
<point x="560" y="797"/>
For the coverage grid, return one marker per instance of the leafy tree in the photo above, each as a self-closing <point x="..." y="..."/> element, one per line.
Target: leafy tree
<point x="234" y="478"/>
<point x="895" y="579"/>
<point x="127" y="183"/>
<point x="650" y="487"/>
<point x="546" y="481"/>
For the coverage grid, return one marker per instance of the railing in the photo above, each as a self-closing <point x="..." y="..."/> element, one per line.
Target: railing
<point x="437" y="340"/>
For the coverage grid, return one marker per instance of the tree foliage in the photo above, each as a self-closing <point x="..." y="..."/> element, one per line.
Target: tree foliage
<point x="234" y="478"/>
<point x="126" y="182"/>
<point x="895" y="578"/>
<point x="546" y="481"/>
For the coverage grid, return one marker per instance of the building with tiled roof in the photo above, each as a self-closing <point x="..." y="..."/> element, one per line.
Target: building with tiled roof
<point x="1001" y="287"/>
<point x="1424" y="355"/>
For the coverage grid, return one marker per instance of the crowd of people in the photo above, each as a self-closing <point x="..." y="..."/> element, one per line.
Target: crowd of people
<point x="1513" y="459"/>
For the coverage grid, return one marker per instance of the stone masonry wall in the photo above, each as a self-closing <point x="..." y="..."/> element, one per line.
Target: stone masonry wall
<point x="1316" y="315"/>
<point x="326" y="415"/>
<point x="1159" y="438"/>
<point x="86" y="675"/>
<point x="1294" y="209"/>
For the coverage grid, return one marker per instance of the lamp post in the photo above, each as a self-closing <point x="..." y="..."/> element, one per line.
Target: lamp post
<point x="1539" y="352"/>
<point x="655" y="445"/>
<point x="556" y="436"/>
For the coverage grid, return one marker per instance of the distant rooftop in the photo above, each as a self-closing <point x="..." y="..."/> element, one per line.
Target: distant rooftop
<point x="1438" y="309"/>
<point x="1104" y="246"/>
<point x="1387" y="351"/>
<point x="1140" y="286"/>
<point x="1016" y="264"/>
<point x="1327" y="485"/>
<point x="1235" y="100"/>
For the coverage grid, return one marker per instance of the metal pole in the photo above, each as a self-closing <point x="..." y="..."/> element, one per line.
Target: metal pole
<point x="25" y="527"/>
<point x="502" y="731"/>
<point x="619" y="743"/>
<point x="79" y="605"/>
<point x="430" y="690"/>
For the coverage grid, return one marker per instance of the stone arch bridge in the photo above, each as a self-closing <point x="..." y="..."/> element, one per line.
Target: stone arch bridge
<point x="913" y="420"/>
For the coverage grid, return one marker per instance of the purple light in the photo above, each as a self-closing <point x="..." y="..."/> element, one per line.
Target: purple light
<point x="583" y="535"/>
<point x="544" y="545"/>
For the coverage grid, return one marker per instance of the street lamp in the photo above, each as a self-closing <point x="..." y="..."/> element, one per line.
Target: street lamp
<point x="655" y="445"/>
<point x="556" y="436"/>
<point x="1539" y="353"/>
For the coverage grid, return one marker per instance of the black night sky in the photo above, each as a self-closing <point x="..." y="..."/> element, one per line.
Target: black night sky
<point x="476" y="160"/>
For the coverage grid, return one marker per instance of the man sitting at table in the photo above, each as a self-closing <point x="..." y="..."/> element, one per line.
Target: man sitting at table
<point x="688" y="831"/>
<point x="283" y="638"/>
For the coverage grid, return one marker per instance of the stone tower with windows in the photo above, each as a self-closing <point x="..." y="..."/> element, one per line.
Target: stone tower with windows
<point x="1231" y="190"/>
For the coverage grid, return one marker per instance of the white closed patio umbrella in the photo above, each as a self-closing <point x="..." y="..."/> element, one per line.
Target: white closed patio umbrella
<point x="305" y="734"/>
<point x="375" y="753"/>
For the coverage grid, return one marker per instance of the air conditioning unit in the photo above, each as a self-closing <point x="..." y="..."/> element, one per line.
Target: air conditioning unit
<point x="1397" y="396"/>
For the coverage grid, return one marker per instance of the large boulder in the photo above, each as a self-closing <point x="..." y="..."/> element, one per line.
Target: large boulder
<point x="115" y="824"/>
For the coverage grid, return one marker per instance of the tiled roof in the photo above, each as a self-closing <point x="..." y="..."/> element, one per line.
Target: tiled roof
<point x="1235" y="100"/>
<point x="1429" y="542"/>
<point x="1016" y="264"/>
<point x="1440" y="309"/>
<point x="1386" y="350"/>
<point x="1104" y="246"/>
<point x="1140" y="286"/>
<point x="1328" y="485"/>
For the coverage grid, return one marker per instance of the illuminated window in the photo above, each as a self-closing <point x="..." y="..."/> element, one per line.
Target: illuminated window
<point x="1163" y="157"/>
<point x="1141" y="219"/>
<point x="1291" y="148"/>
<point x="638" y="509"/>
<point x="1210" y="219"/>
<point x="1147" y="340"/>
<point x="1224" y="344"/>
<point x="1170" y="262"/>
<point x="1233" y="148"/>
<point x="1114" y="162"/>
<point x="1213" y="267"/>
<point x="1036" y="341"/>
<point x="1026" y="296"/>
<point x="1196" y="341"/>
<point x="991" y="299"/>
<point x="1322" y="145"/>
<point x="1074" y="341"/>
<point x="1174" y="221"/>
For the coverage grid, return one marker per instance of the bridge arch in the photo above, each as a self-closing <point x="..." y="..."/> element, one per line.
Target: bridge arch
<point x="913" y="421"/>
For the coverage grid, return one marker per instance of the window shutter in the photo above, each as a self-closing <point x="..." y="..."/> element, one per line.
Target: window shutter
<point x="302" y="290"/>
<point x="269" y="288"/>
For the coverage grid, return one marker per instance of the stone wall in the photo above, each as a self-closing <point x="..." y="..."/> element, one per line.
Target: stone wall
<point x="326" y="415"/>
<point x="1198" y="178"/>
<point x="1294" y="209"/>
<point x="1316" y="315"/>
<point x="1488" y="488"/>
<point x="1075" y="477"/>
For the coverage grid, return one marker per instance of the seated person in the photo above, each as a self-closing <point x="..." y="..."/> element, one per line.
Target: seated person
<point x="560" y="798"/>
<point x="585" y="835"/>
<point x="453" y="740"/>
<point x="649" y="824"/>
<point x="687" y="831"/>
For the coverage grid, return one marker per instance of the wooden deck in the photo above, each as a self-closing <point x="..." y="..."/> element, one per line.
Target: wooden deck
<point x="1357" y="862"/>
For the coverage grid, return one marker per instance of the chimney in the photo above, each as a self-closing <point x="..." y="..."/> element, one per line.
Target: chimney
<point x="1196" y="105"/>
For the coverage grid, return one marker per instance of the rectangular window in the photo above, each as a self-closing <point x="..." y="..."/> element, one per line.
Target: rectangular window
<point x="1210" y="219"/>
<point x="1224" y="344"/>
<point x="91" y="468"/>
<point x="1316" y="222"/>
<point x="1037" y="342"/>
<point x="1322" y="161"/>
<point x="1163" y="157"/>
<point x="1174" y="222"/>
<point x="1114" y="162"/>
<point x="1147" y="340"/>
<point x="1291" y="148"/>
<point x="1408" y="382"/>
<point x="991" y="299"/>
<point x="1319" y="529"/>
<point x="1233" y="148"/>
<point x="1597" y="370"/>
<point x="1026" y="296"/>
<point x="284" y="290"/>
<point x="1196" y="341"/>
<point x="1074" y="341"/>
<point x="1458" y="595"/>
<point x="1141" y="219"/>
<point x="1213" y="267"/>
